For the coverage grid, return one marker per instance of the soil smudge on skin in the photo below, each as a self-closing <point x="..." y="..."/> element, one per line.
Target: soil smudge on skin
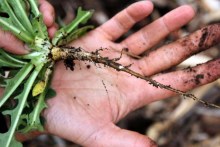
<point x="201" y="40"/>
<point x="198" y="78"/>
<point x="210" y="36"/>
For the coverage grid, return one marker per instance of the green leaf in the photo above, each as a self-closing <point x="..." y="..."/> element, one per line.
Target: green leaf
<point x="9" y="16"/>
<point x="74" y="35"/>
<point x="11" y="58"/>
<point x="9" y="21"/>
<point x="50" y="93"/>
<point x="19" y="9"/>
<point x="6" y="63"/>
<point x="33" y="119"/>
<point x="40" y="28"/>
<point x="81" y="18"/>
<point x="7" y="139"/>
<point x="7" y="25"/>
<point x="34" y="8"/>
<point x="13" y="83"/>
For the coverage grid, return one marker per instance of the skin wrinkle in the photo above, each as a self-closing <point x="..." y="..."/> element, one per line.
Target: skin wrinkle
<point x="74" y="118"/>
<point x="166" y="27"/>
<point x="83" y="106"/>
<point x="80" y="139"/>
<point x="137" y="48"/>
<point x="184" y="48"/>
<point x="117" y="107"/>
<point x="93" y="135"/>
<point x="117" y="21"/>
<point x="212" y="67"/>
<point x="145" y="37"/>
<point x="109" y="101"/>
<point x="120" y="23"/>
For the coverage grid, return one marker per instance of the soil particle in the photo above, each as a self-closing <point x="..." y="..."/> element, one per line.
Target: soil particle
<point x="126" y="49"/>
<point x="208" y="74"/>
<point x="198" y="78"/>
<point x="203" y="37"/>
<point x="188" y="45"/>
<point x="88" y="66"/>
<point x="69" y="63"/>
<point x="190" y="69"/>
<point x="210" y="36"/>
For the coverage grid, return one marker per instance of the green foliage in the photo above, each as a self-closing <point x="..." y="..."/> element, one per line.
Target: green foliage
<point x="23" y="19"/>
<point x="70" y="32"/>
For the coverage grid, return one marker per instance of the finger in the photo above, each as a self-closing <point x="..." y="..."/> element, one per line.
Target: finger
<point x="183" y="80"/>
<point x="48" y="12"/>
<point x="112" y="136"/>
<point x="158" y="30"/>
<point x="174" y="53"/>
<point x="52" y="30"/>
<point x="124" y="20"/>
<point x="12" y="44"/>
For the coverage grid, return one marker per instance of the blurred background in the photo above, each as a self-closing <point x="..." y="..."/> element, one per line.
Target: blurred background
<point x="174" y="122"/>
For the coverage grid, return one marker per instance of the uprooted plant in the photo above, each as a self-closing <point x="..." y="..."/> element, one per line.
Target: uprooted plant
<point x="26" y="78"/>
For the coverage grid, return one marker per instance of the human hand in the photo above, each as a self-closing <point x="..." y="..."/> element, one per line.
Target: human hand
<point x="11" y="44"/>
<point x="18" y="47"/>
<point x="91" y="99"/>
<point x="85" y="110"/>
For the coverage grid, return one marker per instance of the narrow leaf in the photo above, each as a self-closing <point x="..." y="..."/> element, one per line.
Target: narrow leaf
<point x="20" y="11"/>
<point x="81" y="18"/>
<point x="34" y="8"/>
<point x="11" y="58"/>
<point x="7" y="25"/>
<point x="7" y="63"/>
<point x="6" y="8"/>
<point x="40" y="28"/>
<point x="15" y="82"/>
<point x="74" y="35"/>
<point x="7" y="138"/>
<point x="33" y="119"/>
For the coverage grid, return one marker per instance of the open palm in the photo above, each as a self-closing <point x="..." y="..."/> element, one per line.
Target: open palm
<point x="92" y="98"/>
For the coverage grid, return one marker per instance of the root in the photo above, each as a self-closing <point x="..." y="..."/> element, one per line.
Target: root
<point x="69" y="54"/>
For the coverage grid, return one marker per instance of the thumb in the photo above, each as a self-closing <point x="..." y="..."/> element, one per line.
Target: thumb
<point x="11" y="44"/>
<point x="113" y="136"/>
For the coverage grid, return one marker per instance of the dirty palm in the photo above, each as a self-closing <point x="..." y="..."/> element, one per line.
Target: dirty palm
<point x="26" y="78"/>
